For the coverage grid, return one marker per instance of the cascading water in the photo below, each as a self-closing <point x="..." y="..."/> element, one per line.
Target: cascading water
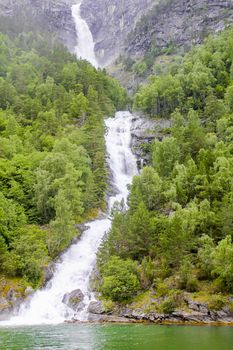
<point x="76" y="265"/>
<point x="85" y="43"/>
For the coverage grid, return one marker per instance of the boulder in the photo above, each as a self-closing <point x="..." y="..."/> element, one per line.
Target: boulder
<point x="28" y="291"/>
<point x="5" y="308"/>
<point x="96" y="307"/>
<point x="74" y="300"/>
<point x="11" y="295"/>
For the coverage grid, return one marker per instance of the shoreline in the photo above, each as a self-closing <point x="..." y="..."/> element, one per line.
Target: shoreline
<point x="122" y="320"/>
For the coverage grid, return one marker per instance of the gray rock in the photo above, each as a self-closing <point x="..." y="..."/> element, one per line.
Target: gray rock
<point x="110" y="22"/>
<point x="28" y="291"/>
<point x="203" y="309"/>
<point x="11" y="295"/>
<point x="193" y="305"/>
<point x="55" y="16"/>
<point x="96" y="307"/>
<point x="197" y="306"/>
<point x="5" y="307"/>
<point x="108" y="318"/>
<point x="199" y="313"/>
<point x="144" y="131"/>
<point x="74" y="300"/>
<point x="182" y="23"/>
<point x="49" y="272"/>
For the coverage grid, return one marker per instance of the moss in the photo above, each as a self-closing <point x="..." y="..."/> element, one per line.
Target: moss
<point x="146" y="301"/>
<point x="161" y="288"/>
<point x="192" y="284"/>
<point x="141" y="300"/>
<point x="217" y="302"/>
<point x="89" y="215"/>
<point x="178" y="298"/>
<point x="17" y="284"/>
<point x="74" y="300"/>
<point x="109" y="305"/>
<point x="213" y="301"/>
<point x="230" y="306"/>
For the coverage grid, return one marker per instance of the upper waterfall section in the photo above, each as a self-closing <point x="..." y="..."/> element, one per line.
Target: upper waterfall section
<point x="85" y="48"/>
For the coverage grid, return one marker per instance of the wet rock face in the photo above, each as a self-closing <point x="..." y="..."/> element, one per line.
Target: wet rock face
<point x="54" y="16"/>
<point x="144" y="132"/>
<point x="181" y="23"/>
<point x="74" y="300"/>
<point x="9" y="303"/>
<point x="49" y="272"/>
<point x="58" y="16"/>
<point x="5" y="308"/>
<point x="110" y="22"/>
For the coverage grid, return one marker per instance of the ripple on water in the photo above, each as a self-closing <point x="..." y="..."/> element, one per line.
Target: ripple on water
<point x="116" y="337"/>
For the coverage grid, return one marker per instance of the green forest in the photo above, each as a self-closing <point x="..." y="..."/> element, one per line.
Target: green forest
<point x="176" y="235"/>
<point x="52" y="152"/>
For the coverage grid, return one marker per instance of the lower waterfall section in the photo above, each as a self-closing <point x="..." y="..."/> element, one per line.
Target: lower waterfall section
<point x="76" y="265"/>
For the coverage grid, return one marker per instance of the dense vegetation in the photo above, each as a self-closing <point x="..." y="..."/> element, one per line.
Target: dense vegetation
<point x="52" y="151"/>
<point x="177" y="233"/>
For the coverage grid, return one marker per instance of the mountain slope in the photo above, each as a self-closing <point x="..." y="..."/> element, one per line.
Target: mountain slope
<point x="111" y="21"/>
<point x="179" y="23"/>
<point x="131" y="28"/>
<point x="53" y="16"/>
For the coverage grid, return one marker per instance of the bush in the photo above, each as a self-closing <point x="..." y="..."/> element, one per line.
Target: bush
<point x="216" y="303"/>
<point x="168" y="306"/>
<point x="185" y="273"/>
<point x="120" y="281"/>
<point x="223" y="262"/>
<point x="192" y="284"/>
<point x="161" y="288"/>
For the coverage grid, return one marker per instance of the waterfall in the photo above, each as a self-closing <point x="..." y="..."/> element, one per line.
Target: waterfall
<point x="76" y="265"/>
<point x="85" y="43"/>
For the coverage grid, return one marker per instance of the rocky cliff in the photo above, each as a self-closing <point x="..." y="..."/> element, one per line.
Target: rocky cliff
<point x="163" y="23"/>
<point x="50" y="15"/>
<point x="110" y="22"/>
<point x="179" y="23"/>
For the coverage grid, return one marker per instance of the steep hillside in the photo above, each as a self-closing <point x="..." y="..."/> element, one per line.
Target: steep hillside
<point x="53" y="16"/>
<point x="52" y="154"/>
<point x="174" y="242"/>
<point x="111" y="21"/>
<point x="161" y="37"/>
<point x="135" y="29"/>
<point x="179" y="23"/>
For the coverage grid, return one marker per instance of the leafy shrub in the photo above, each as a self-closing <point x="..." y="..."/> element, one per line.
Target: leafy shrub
<point x="161" y="288"/>
<point x="223" y="262"/>
<point x="192" y="284"/>
<point x="120" y="281"/>
<point x="168" y="306"/>
<point x="216" y="303"/>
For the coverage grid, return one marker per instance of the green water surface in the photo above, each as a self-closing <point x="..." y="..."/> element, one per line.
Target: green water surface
<point x="116" y="337"/>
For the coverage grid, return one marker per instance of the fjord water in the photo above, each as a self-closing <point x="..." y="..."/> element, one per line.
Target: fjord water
<point x="76" y="265"/>
<point x="85" y="43"/>
<point x="116" y="337"/>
